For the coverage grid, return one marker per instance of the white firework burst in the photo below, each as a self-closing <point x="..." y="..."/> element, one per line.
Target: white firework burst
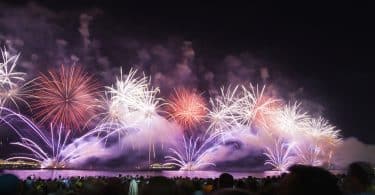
<point x="194" y="155"/>
<point x="308" y="154"/>
<point x="279" y="155"/>
<point x="223" y="114"/>
<point x="289" y="120"/>
<point x="320" y="130"/>
<point x="237" y="109"/>
<point x="12" y="86"/>
<point x="8" y="75"/>
<point x="131" y="100"/>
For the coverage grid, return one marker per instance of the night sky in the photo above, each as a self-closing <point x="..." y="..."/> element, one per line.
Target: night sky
<point x="325" y="48"/>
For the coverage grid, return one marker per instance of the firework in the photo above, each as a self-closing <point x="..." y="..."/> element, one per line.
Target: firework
<point x="131" y="100"/>
<point x="254" y="108"/>
<point x="53" y="149"/>
<point x="222" y="115"/>
<point x="131" y="103"/>
<point x="194" y="155"/>
<point x="289" y="120"/>
<point x="66" y="96"/>
<point x="43" y="149"/>
<point x="47" y="158"/>
<point x="263" y="107"/>
<point x="187" y="108"/>
<point x="8" y="76"/>
<point x="320" y="130"/>
<point x="66" y="99"/>
<point x="238" y="108"/>
<point x="88" y="145"/>
<point x="279" y="155"/>
<point x="249" y="104"/>
<point x="308" y="154"/>
<point x="14" y="94"/>
<point x="320" y="133"/>
<point x="12" y="88"/>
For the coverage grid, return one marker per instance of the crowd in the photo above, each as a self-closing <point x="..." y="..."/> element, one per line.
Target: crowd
<point x="300" y="179"/>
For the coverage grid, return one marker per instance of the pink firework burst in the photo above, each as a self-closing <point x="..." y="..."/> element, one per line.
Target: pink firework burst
<point x="66" y="96"/>
<point x="187" y="107"/>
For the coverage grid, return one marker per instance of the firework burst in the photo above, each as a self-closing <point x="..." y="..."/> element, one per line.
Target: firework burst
<point x="131" y="100"/>
<point x="279" y="155"/>
<point x="43" y="148"/>
<point x="8" y="75"/>
<point x="187" y="108"/>
<point x="320" y="133"/>
<point x="54" y="149"/>
<point x="308" y="154"/>
<point x="12" y="86"/>
<point x="194" y="155"/>
<point x="254" y="106"/>
<point x="48" y="154"/>
<point x="66" y="96"/>
<point x="13" y="95"/>
<point x="320" y="130"/>
<point x="237" y="108"/>
<point x="221" y="116"/>
<point x="289" y="120"/>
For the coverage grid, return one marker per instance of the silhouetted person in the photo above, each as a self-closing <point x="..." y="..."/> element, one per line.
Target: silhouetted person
<point x="113" y="186"/>
<point x="309" y="180"/>
<point x="359" y="178"/>
<point x="10" y="184"/>
<point x="185" y="187"/>
<point x="225" y="181"/>
<point x="160" y="185"/>
<point x="228" y="191"/>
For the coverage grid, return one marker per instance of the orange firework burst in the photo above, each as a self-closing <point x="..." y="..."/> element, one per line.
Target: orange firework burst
<point x="264" y="108"/>
<point x="187" y="108"/>
<point x="66" y="96"/>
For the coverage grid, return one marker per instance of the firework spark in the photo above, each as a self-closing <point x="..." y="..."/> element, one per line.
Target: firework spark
<point x="66" y="96"/>
<point x="279" y="155"/>
<point x="194" y="155"/>
<point x="187" y="108"/>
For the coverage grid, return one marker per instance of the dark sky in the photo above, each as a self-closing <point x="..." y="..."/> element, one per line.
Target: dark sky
<point x="328" y="48"/>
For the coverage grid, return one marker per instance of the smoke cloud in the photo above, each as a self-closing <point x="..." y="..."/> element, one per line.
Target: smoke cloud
<point x="353" y="150"/>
